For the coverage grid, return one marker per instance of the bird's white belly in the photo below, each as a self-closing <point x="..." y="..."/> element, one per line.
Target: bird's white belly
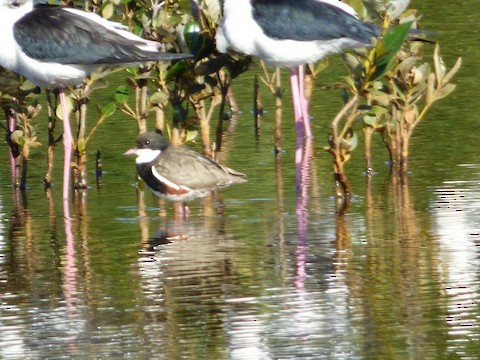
<point x="50" y="75"/>
<point x="244" y="35"/>
<point x="286" y="53"/>
<point x="43" y="74"/>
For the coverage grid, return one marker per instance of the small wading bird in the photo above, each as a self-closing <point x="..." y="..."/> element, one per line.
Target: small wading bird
<point x="290" y="33"/>
<point x="57" y="46"/>
<point x="177" y="173"/>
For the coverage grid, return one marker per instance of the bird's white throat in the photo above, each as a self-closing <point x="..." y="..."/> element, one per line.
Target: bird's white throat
<point x="145" y="156"/>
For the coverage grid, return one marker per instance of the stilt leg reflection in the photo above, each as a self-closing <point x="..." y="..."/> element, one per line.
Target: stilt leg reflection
<point x="302" y="218"/>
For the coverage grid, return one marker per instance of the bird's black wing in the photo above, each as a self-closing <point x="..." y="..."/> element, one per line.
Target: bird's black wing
<point x="53" y="34"/>
<point x="309" y="20"/>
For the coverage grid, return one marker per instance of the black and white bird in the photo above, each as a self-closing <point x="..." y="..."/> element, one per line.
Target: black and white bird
<point x="291" y="33"/>
<point x="177" y="173"/>
<point x="57" y="46"/>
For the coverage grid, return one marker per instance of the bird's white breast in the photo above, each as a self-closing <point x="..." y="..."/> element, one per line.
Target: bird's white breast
<point x="49" y="75"/>
<point x="145" y="156"/>
<point x="8" y="17"/>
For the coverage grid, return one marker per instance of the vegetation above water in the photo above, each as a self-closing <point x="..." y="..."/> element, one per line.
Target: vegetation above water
<point x="389" y="89"/>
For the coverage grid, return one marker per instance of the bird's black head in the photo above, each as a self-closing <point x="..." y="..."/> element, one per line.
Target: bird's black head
<point x="151" y="140"/>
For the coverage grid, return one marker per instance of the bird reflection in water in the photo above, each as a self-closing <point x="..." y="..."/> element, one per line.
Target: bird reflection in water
<point x="173" y="229"/>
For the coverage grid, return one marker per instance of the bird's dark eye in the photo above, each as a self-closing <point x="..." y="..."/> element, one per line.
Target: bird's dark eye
<point x="147" y="142"/>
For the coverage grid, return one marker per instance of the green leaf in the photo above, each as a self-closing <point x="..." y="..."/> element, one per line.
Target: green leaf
<point x="420" y="73"/>
<point x="353" y="141"/>
<point x="121" y="94"/>
<point x="131" y="82"/>
<point x="191" y="136"/>
<point x="359" y="7"/>
<point x="452" y="71"/>
<point x="108" y="109"/>
<point x="394" y="39"/>
<point x="388" y="46"/>
<point x="399" y="89"/>
<point x="439" y="65"/>
<point x="81" y="145"/>
<point x="185" y="6"/>
<point x="18" y="137"/>
<point x="378" y="110"/>
<point x="176" y="70"/>
<point x="107" y="11"/>
<point x="431" y="84"/>
<point x="69" y="105"/>
<point x="445" y="91"/>
<point x="98" y="84"/>
<point x="159" y="98"/>
<point x="353" y="64"/>
<point x="370" y="120"/>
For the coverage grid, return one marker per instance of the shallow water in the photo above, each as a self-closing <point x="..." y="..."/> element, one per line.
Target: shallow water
<point x="257" y="272"/>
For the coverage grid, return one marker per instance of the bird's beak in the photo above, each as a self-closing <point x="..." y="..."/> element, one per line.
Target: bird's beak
<point x="130" y="152"/>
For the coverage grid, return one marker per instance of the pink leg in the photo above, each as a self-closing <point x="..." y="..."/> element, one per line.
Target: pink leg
<point x="299" y="126"/>
<point x="67" y="144"/>
<point x="303" y="101"/>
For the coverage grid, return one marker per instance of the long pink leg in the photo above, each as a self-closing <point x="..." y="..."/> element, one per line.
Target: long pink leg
<point x="67" y="144"/>
<point x="299" y="126"/>
<point x="303" y="101"/>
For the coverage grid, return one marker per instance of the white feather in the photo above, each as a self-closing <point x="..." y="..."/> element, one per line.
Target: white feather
<point x="251" y="39"/>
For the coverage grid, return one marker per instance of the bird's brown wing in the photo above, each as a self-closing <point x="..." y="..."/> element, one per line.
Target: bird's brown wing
<point x="194" y="170"/>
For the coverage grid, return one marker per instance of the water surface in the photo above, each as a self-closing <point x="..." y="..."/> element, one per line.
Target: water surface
<point x="258" y="272"/>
